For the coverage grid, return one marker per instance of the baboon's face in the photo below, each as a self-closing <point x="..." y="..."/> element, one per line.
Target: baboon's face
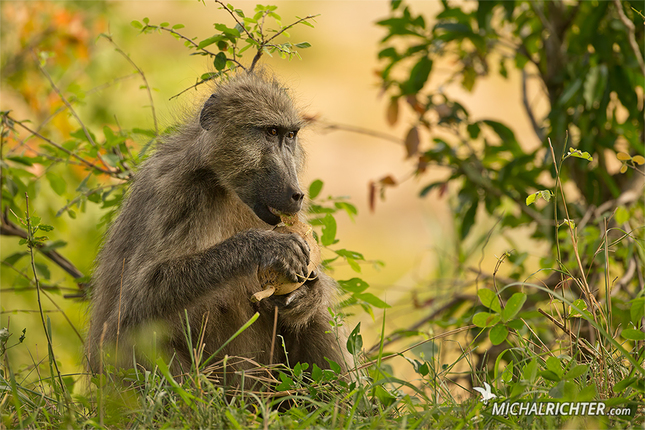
<point x="253" y="126"/>
<point x="271" y="187"/>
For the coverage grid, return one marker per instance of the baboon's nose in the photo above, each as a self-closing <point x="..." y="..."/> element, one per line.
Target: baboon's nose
<point x="297" y="197"/>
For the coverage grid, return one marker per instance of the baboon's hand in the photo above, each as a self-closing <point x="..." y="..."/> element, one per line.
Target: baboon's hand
<point x="287" y="254"/>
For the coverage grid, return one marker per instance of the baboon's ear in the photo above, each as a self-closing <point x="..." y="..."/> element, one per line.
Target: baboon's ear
<point x="208" y="113"/>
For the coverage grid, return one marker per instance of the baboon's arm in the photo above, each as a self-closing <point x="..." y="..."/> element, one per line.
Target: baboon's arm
<point x="177" y="283"/>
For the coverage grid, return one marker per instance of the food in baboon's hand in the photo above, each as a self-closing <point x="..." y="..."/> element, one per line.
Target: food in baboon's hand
<point x="274" y="282"/>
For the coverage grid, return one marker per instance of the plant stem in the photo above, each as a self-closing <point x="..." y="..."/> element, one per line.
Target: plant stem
<point x="30" y="245"/>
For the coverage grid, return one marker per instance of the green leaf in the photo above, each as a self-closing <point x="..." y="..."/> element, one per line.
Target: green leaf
<point x="57" y="183"/>
<point x="354" y="285"/>
<point x="550" y="376"/>
<point x="498" y="334"/>
<point x="328" y="230"/>
<point x="303" y="45"/>
<point x="578" y="154"/>
<point x="595" y="85"/>
<point x="468" y="220"/>
<point x="637" y="309"/>
<point x="21" y="160"/>
<point x="334" y="366"/>
<point x="45" y="227"/>
<point x="350" y="254"/>
<point x="579" y="304"/>
<point x="507" y="374"/>
<point x="489" y="299"/>
<point x="372" y="300"/>
<point x="530" y="370"/>
<point x="622" y="385"/>
<point x="349" y="208"/>
<point x="355" y="340"/>
<point x="354" y="265"/>
<point x="220" y="61"/>
<point x="285" y="384"/>
<point x="554" y="365"/>
<point x="576" y="371"/>
<point x="136" y="24"/>
<point x="543" y="194"/>
<point x="513" y="306"/>
<point x="418" y="76"/>
<point x="485" y="319"/>
<point x="14" y="258"/>
<point x="177" y="26"/>
<point x="315" y="188"/>
<point x="43" y="270"/>
<point x="621" y="215"/>
<point x="632" y="334"/>
<point x="209" y="41"/>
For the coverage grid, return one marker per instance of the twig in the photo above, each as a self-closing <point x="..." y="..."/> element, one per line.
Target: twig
<point x="431" y="316"/>
<point x="331" y="126"/>
<point x="143" y="77"/>
<point x="237" y="21"/>
<point x="8" y="228"/>
<point x="631" y="35"/>
<point x="570" y="334"/>
<point x="91" y="91"/>
<point x="398" y="354"/>
<point x="57" y="146"/>
<point x="527" y="107"/>
<point x="291" y="25"/>
<point x="87" y="133"/>
<point x="574" y="242"/>
<point x="30" y="245"/>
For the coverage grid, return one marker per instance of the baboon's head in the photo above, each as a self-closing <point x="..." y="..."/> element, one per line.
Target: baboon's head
<point x="253" y="126"/>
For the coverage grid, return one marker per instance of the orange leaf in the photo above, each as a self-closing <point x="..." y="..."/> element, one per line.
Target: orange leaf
<point x="393" y="111"/>
<point x="412" y="142"/>
<point x="638" y="159"/>
<point x="387" y="181"/>
<point x="623" y="157"/>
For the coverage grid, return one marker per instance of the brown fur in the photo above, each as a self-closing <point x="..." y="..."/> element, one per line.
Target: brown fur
<point x="194" y="231"/>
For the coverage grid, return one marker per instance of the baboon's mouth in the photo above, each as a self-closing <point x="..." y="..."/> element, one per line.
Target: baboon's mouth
<point x="280" y="213"/>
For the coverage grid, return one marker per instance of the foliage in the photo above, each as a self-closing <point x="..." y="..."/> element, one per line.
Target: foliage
<point x="562" y="48"/>
<point x="585" y="59"/>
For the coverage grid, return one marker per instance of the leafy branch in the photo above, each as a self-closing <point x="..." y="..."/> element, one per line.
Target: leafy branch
<point x="232" y="42"/>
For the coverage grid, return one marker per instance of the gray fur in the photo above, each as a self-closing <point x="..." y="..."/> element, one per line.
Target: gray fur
<point x="195" y="229"/>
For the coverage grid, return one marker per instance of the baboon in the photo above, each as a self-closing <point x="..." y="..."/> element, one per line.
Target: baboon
<point x="196" y="228"/>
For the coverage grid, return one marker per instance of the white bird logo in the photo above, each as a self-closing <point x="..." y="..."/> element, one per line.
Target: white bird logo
<point x="485" y="392"/>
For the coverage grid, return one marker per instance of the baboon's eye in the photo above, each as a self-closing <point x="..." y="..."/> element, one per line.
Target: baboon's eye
<point x="291" y="135"/>
<point x="272" y="131"/>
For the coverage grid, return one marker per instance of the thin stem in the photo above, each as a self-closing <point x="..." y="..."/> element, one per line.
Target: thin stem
<point x="291" y="25"/>
<point x="30" y="245"/>
<point x="143" y="77"/>
<point x="87" y="133"/>
<point x="57" y="146"/>
<point x="572" y="234"/>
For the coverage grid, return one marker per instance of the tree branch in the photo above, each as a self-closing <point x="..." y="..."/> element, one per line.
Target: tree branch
<point x="631" y="35"/>
<point x="57" y="146"/>
<point x="527" y="107"/>
<point x="8" y="228"/>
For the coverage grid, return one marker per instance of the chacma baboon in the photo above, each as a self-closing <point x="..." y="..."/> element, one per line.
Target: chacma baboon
<point x="195" y="229"/>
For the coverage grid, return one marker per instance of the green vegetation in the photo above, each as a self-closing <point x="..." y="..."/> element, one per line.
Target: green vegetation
<point x="570" y="330"/>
